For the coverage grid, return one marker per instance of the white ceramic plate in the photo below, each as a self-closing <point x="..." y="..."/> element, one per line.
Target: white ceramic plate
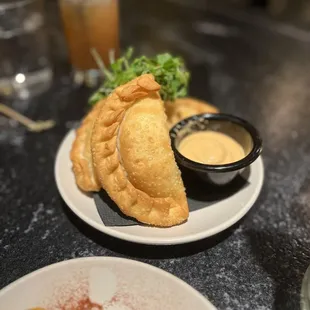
<point x="113" y="283"/>
<point x="201" y="223"/>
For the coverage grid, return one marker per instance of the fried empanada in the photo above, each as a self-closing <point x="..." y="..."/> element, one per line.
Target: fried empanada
<point x="133" y="157"/>
<point x="81" y="157"/>
<point x="185" y="107"/>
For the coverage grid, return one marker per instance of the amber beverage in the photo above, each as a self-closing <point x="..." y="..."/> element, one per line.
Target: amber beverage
<point x="90" y="24"/>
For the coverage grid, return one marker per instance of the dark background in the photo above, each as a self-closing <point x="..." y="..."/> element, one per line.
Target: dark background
<point x="250" y="58"/>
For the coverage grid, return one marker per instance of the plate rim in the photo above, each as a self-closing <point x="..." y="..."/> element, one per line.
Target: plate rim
<point x="103" y="259"/>
<point x="153" y="240"/>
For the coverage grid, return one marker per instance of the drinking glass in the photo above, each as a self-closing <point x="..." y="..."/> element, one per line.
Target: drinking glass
<point x="90" y="24"/>
<point x="24" y="63"/>
<point x="305" y="291"/>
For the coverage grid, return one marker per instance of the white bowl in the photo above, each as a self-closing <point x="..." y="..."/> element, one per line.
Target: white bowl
<point x="113" y="283"/>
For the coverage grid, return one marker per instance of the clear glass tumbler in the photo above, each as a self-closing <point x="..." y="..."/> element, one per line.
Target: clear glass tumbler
<point x="90" y="24"/>
<point x="305" y="291"/>
<point x="24" y="63"/>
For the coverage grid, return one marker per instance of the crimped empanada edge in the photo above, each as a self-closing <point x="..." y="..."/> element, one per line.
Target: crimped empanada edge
<point x="133" y="202"/>
<point x="84" y="172"/>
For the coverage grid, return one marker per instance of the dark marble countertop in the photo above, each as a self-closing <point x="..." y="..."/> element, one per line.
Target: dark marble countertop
<point x="245" y="64"/>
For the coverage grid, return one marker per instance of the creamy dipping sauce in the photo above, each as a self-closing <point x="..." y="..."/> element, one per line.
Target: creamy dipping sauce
<point x="211" y="147"/>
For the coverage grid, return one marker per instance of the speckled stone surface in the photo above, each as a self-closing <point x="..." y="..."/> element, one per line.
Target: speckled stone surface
<point x="245" y="64"/>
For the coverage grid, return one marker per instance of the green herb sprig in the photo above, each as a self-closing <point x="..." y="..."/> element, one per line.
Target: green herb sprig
<point x="169" y="72"/>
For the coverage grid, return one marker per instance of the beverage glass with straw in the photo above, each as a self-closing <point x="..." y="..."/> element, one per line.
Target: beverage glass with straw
<point x="90" y="24"/>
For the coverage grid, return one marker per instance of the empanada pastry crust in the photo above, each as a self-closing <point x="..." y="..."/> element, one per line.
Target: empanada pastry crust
<point x="182" y="108"/>
<point x="133" y="157"/>
<point x="81" y="157"/>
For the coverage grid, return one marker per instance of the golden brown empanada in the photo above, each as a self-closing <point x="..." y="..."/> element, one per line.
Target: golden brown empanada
<point x="133" y="157"/>
<point x="185" y="107"/>
<point x="81" y="156"/>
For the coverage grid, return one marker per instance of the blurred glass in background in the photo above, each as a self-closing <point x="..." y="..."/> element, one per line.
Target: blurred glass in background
<point x="305" y="291"/>
<point x="24" y="62"/>
<point x="90" y="24"/>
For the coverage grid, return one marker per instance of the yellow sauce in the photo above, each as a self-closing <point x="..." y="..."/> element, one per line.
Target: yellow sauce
<point x="211" y="147"/>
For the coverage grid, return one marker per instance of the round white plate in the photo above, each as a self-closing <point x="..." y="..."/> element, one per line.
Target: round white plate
<point x="113" y="283"/>
<point x="201" y="223"/>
